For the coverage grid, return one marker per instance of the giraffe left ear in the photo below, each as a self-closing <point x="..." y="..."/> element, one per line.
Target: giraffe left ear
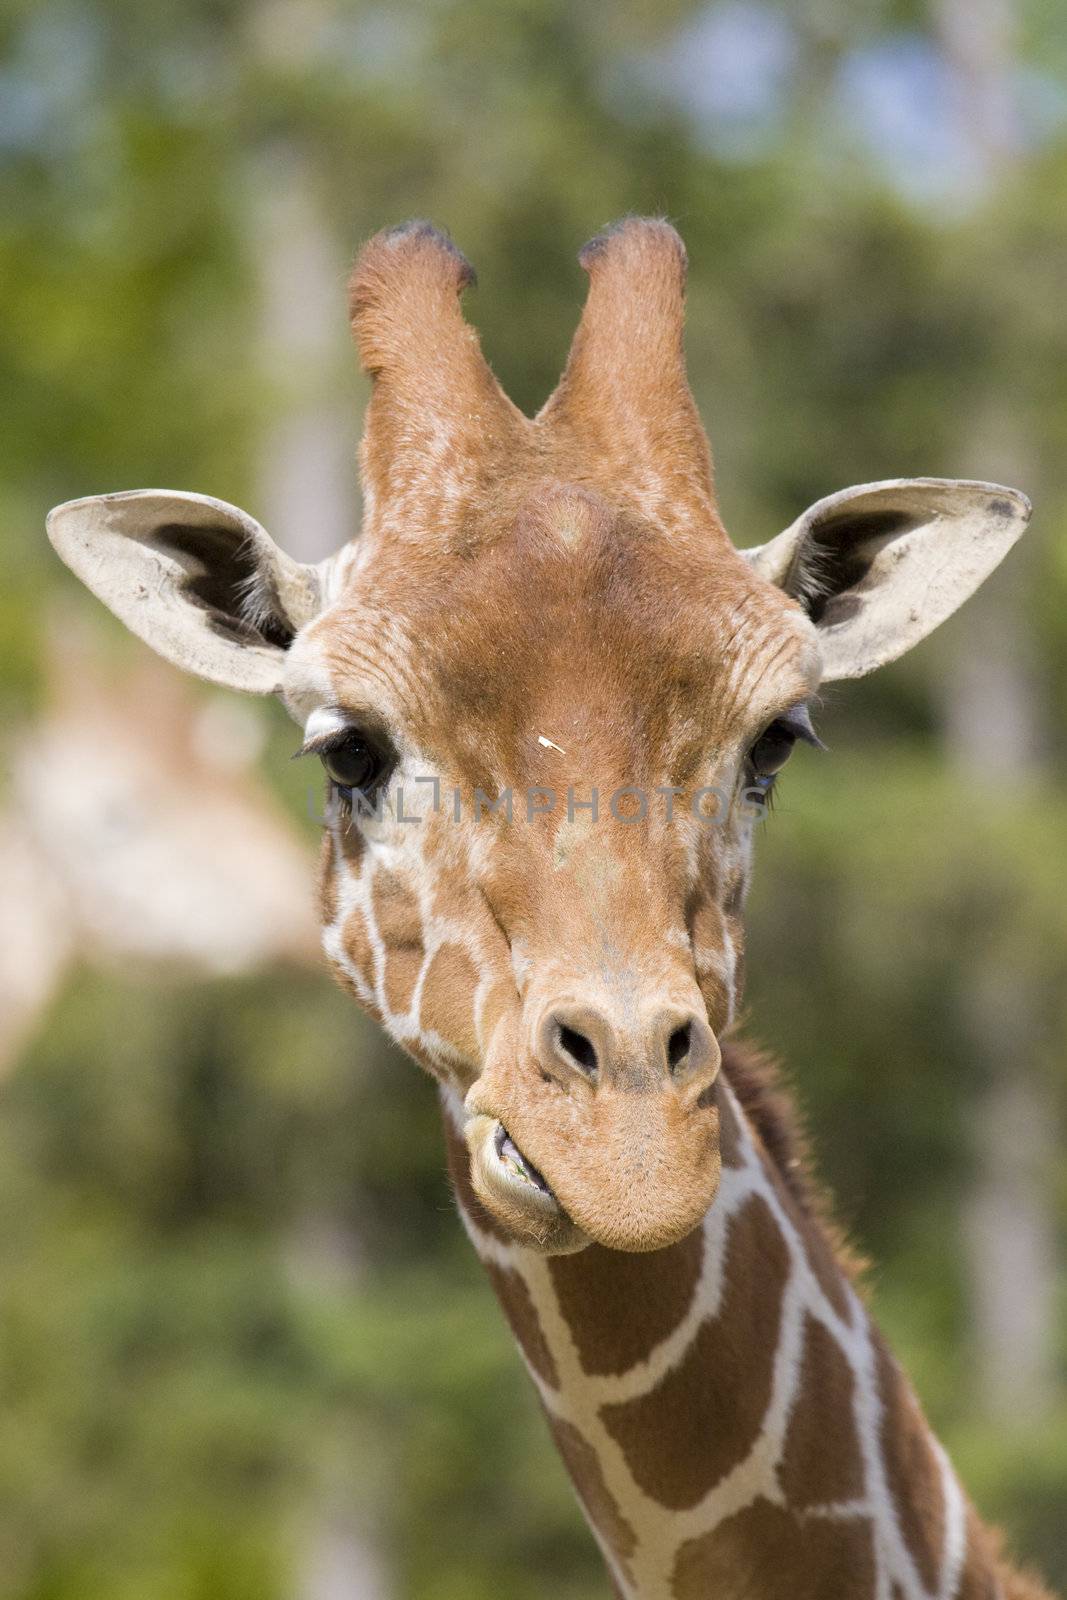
<point x="197" y="579"/>
<point x="879" y="566"/>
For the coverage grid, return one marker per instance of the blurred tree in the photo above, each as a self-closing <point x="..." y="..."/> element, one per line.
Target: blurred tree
<point x="242" y="1347"/>
<point x="994" y="712"/>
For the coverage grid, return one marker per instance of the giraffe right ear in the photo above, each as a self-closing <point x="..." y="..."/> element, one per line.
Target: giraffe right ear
<point x="197" y="579"/>
<point x="878" y="567"/>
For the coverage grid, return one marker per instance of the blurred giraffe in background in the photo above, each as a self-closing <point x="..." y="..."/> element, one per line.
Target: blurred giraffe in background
<point x="137" y="830"/>
<point x="549" y="695"/>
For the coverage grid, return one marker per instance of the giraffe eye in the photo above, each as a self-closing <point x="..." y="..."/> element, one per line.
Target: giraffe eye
<point x="354" y="762"/>
<point x="770" y="753"/>
<point x="775" y="744"/>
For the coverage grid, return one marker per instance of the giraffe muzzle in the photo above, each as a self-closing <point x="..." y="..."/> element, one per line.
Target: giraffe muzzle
<point x="629" y="1160"/>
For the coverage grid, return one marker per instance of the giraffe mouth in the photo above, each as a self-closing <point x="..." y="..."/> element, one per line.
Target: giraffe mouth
<point x="515" y="1163"/>
<point x="516" y="1192"/>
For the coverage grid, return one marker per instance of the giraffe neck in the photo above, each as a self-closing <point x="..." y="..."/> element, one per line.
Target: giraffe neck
<point x="731" y="1419"/>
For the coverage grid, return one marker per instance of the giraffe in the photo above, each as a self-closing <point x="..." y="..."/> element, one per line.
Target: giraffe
<point x="134" y="864"/>
<point x="550" y="697"/>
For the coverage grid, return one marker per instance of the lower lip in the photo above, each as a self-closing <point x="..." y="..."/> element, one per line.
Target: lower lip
<point x="511" y="1158"/>
<point x="487" y="1144"/>
<point x="546" y="1225"/>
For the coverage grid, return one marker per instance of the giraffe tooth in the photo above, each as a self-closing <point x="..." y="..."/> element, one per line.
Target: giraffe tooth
<point x="513" y="1159"/>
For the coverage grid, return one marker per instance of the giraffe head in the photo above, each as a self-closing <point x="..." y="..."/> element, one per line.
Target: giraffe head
<point x="550" y="697"/>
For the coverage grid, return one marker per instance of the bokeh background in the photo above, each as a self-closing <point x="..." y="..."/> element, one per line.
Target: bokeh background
<point x="245" y="1353"/>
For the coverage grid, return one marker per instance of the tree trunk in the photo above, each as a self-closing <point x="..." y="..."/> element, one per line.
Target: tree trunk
<point x="995" y="725"/>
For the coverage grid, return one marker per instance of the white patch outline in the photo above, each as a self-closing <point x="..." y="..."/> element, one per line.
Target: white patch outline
<point x="660" y="1532"/>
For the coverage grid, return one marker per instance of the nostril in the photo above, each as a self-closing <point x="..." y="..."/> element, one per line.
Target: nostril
<point x="678" y="1047"/>
<point x="578" y="1047"/>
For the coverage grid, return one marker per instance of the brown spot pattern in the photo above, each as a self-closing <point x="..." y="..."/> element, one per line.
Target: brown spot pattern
<point x="448" y="998"/>
<point x="514" y="1296"/>
<point x="357" y="947"/>
<point x="827" y="1273"/>
<point x="825" y="1269"/>
<point x="705" y="1414"/>
<point x="730" y="1149"/>
<point x="822" y="1463"/>
<point x="327" y="882"/>
<point x="912" y="1468"/>
<point x="580" y="1460"/>
<point x="352" y="846"/>
<point x="449" y="538"/>
<point x="499" y="1001"/>
<point x="402" y="968"/>
<point x="618" y="1306"/>
<point x="775" y="1554"/>
<point x="396" y="911"/>
<point x="978" y="1577"/>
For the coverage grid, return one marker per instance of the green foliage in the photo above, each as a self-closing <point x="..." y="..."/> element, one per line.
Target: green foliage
<point x="232" y="1275"/>
<point x="233" y="1294"/>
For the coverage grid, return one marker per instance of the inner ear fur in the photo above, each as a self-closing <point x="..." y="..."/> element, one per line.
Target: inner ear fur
<point x="196" y="578"/>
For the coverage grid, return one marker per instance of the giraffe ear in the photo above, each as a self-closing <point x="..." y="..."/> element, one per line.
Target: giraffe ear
<point x="197" y="579"/>
<point x="879" y="566"/>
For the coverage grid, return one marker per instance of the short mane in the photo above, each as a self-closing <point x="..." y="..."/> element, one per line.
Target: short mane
<point x="772" y="1113"/>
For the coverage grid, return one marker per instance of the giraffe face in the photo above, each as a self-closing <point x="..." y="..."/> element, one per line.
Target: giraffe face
<point x="546" y="607"/>
<point x="567" y="969"/>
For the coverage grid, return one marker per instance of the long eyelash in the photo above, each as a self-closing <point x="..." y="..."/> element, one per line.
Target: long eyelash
<point x="323" y="743"/>
<point x="766" y="795"/>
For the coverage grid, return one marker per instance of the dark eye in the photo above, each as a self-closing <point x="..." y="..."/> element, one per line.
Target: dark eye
<point x="770" y="752"/>
<point x="354" y="763"/>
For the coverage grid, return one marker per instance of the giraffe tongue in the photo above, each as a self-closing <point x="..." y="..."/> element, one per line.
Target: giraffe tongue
<point x="512" y="1157"/>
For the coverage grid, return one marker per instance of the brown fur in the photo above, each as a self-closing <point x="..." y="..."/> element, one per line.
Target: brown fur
<point x="810" y="1474"/>
<point x="552" y="603"/>
<point x="584" y="1467"/>
<point x="618" y="1305"/>
<point x="674" y="1439"/>
<point x="647" y="715"/>
<point x="768" y="1552"/>
<point x="987" y="1566"/>
<point x="771" y="1108"/>
<point x="568" y="576"/>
